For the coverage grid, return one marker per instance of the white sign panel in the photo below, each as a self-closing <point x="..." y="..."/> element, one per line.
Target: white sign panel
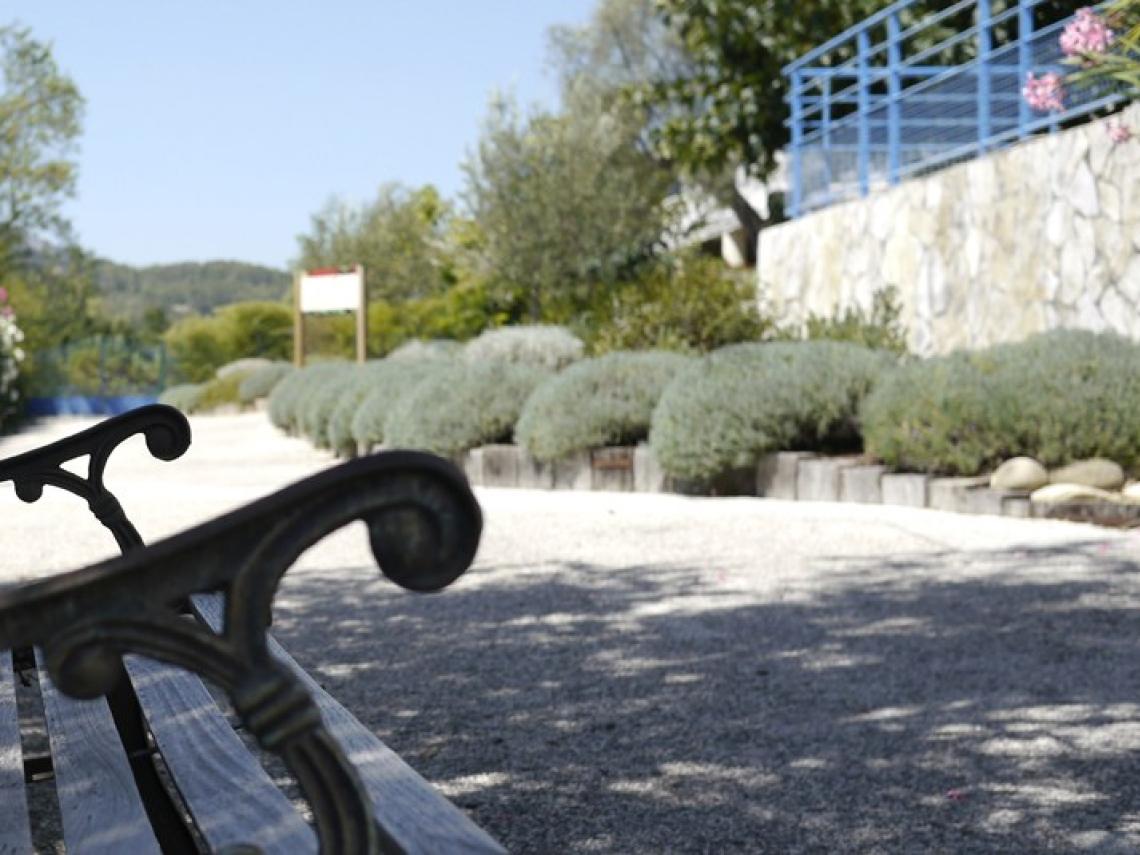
<point x="330" y="292"/>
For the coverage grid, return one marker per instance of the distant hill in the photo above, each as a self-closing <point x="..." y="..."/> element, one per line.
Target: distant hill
<point x="190" y="287"/>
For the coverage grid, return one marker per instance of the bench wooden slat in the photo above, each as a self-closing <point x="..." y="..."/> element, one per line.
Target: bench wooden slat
<point x="15" y="833"/>
<point x="412" y="813"/>
<point x="226" y="790"/>
<point x="98" y="800"/>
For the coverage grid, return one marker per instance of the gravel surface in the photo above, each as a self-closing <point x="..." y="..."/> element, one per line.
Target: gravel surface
<point x="654" y="673"/>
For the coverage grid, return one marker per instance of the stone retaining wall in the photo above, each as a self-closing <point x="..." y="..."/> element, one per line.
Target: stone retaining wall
<point x="1041" y="235"/>
<point x="789" y="475"/>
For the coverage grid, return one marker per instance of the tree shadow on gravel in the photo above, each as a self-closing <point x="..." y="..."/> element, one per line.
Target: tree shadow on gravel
<point x="949" y="702"/>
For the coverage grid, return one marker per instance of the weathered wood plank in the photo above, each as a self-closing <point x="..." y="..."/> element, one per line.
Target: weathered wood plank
<point x="224" y="787"/>
<point x="15" y="834"/>
<point x="416" y="817"/>
<point x="98" y="800"/>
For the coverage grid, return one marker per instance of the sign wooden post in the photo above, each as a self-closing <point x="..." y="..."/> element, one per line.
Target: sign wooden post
<point x="330" y="289"/>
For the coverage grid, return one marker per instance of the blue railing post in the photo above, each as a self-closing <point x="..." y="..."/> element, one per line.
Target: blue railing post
<point x="1024" y="62"/>
<point x="864" y="42"/>
<point x="985" y="49"/>
<point x="825" y="133"/>
<point x="894" y="105"/>
<point x="797" y="143"/>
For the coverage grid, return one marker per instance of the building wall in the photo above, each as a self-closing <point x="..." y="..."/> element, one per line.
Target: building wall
<point x="1041" y="235"/>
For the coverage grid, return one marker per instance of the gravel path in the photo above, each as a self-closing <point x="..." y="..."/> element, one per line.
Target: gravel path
<point x="652" y="673"/>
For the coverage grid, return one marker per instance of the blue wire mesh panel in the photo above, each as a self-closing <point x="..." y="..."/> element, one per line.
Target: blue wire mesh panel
<point x="906" y="92"/>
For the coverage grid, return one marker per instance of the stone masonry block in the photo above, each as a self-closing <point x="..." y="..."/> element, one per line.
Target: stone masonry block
<point x="861" y="484"/>
<point x="648" y="476"/>
<point x="534" y="474"/>
<point x="817" y="479"/>
<point x="776" y="474"/>
<point x="573" y="472"/>
<point x="500" y="465"/>
<point x="953" y="494"/>
<point x="473" y="467"/>
<point x="905" y="488"/>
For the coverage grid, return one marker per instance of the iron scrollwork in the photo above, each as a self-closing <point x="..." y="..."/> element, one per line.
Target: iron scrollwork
<point x="423" y="524"/>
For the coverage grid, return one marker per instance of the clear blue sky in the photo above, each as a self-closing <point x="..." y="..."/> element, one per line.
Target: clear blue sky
<point x="214" y="129"/>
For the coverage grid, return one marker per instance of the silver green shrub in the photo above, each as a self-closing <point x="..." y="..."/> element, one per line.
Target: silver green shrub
<point x="539" y="346"/>
<point x="387" y="386"/>
<point x="745" y="400"/>
<point x="262" y="380"/>
<point x="1059" y="396"/>
<point x="373" y="375"/>
<point x="288" y="396"/>
<point x="461" y="407"/>
<point x="317" y="405"/>
<point x="607" y="400"/>
<point x="184" y="396"/>
<point x="435" y="349"/>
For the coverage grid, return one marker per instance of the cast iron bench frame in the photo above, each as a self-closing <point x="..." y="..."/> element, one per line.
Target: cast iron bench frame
<point x="140" y="630"/>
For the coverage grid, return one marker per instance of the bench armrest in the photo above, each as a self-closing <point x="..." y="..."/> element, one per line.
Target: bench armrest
<point x="423" y="525"/>
<point x="167" y="437"/>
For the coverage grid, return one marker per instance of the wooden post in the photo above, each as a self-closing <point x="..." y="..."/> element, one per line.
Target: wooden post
<point x="298" y="322"/>
<point x="362" y="319"/>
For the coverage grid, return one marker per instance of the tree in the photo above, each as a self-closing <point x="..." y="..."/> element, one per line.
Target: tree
<point x="398" y="238"/>
<point x="40" y="114"/>
<point x="567" y="204"/>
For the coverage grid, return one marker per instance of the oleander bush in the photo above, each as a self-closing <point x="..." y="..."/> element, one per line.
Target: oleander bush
<point x="184" y="396"/>
<point x="288" y="397"/>
<point x="387" y="387"/>
<point x="607" y="400"/>
<point x="538" y="346"/>
<point x="745" y="400"/>
<point x="462" y="406"/>
<point x="259" y="383"/>
<point x="1058" y="397"/>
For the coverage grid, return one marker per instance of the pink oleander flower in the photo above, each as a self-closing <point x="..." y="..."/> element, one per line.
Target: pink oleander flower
<point x="3" y="295"/>
<point x="1119" y="132"/>
<point x="1046" y="92"/>
<point x="1086" y="33"/>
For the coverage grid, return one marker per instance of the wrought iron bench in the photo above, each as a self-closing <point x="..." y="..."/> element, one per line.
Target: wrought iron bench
<point x="142" y="756"/>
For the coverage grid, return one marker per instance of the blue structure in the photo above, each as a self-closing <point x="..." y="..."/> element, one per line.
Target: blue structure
<point x="896" y="96"/>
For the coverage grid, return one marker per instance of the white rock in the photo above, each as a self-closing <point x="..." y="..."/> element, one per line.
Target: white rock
<point x="1019" y="473"/>
<point x="1094" y="472"/>
<point x="1060" y="493"/>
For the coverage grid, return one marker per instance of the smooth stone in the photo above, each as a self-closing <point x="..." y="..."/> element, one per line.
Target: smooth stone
<point x="1019" y="473"/>
<point x="1131" y="491"/>
<point x="1094" y="472"/>
<point x="1058" y="493"/>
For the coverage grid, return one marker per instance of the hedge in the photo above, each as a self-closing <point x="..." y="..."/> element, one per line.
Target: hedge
<point x="539" y="346"/>
<point x="462" y="406"/>
<point x="745" y="400"/>
<point x="387" y="387"/>
<point x="1059" y="397"/>
<point x="262" y="381"/>
<point x="184" y="396"/>
<point x="607" y="400"/>
<point x="288" y="396"/>
<point x="316" y="405"/>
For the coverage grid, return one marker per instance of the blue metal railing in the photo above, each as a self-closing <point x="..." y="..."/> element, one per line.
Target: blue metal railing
<point x="904" y="93"/>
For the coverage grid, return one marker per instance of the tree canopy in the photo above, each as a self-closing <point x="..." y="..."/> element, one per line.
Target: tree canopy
<point x="40" y="121"/>
<point x="398" y="237"/>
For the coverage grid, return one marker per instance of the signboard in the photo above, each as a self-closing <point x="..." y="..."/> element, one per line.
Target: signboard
<point x="330" y="290"/>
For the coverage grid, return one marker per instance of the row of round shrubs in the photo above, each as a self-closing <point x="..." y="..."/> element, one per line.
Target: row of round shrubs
<point x="532" y="385"/>
<point x="239" y="383"/>
<point x="1059" y="396"/>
